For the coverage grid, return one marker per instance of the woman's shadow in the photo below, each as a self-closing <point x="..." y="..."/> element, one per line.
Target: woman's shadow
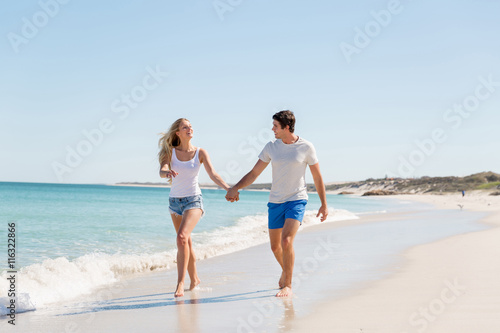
<point x="163" y="300"/>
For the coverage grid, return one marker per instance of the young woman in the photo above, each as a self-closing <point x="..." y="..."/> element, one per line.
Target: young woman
<point x="180" y="161"/>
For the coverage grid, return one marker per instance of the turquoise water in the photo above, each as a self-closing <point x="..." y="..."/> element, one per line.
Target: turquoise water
<point x="72" y="239"/>
<point x="56" y="220"/>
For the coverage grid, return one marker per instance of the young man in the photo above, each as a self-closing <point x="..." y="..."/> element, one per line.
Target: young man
<point x="289" y="156"/>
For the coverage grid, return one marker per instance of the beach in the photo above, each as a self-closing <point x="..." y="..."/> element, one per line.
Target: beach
<point x="446" y="286"/>
<point x="427" y="267"/>
<point x="371" y="122"/>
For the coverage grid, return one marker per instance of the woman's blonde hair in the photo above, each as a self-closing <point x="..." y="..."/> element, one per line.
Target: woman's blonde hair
<point x="168" y="141"/>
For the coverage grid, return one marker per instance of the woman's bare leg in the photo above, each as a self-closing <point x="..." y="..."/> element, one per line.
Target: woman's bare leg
<point x="193" y="274"/>
<point x="188" y="222"/>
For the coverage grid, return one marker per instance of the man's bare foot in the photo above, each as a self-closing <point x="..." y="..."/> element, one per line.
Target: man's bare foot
<point x="194" y="284"/>
<point x="284" y="292"/>
<point x="180" y="290"/>
<point x="281" y="283"/>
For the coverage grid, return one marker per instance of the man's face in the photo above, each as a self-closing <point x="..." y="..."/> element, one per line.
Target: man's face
<point x="278" y="131"/>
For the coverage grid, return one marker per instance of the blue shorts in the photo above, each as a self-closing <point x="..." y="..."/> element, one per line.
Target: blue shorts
<point x="278" y="213"/>
<point x="179" y="205"/>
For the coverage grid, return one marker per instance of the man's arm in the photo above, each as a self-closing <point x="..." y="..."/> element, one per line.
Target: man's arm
<point x="320" y="188"/>
<point x="248" y="179"/>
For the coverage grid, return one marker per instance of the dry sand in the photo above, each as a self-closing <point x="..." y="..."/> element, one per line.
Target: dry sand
<point x="448" y="286"/>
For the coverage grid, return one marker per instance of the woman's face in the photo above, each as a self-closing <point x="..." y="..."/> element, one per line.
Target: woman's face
<point x="185" y="130"/>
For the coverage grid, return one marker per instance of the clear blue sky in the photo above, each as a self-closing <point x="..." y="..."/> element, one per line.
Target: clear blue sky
<point x="69" y="68"/>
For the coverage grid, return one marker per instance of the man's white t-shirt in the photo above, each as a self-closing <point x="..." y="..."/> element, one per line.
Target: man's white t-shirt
<point x="289" y="162"/>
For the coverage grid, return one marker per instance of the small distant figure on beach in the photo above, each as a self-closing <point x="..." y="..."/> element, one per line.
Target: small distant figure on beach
<point x="463" y="193"/>
<point x="289" y="156"/>
<point x="180" y="162"/>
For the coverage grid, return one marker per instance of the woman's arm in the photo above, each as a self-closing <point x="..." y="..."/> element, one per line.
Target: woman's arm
<point x="205" y="159"/>
<point x="165" y="172"/>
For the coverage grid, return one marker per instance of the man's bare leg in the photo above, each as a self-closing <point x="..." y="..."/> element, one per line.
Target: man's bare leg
<point x="275" y="238"/>
<point x="287" y="237"/>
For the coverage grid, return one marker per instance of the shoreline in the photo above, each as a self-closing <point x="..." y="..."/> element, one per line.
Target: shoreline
<point x="238" y="287"/>
<point x="203" y="187"/>
<point x="443" y="286"/>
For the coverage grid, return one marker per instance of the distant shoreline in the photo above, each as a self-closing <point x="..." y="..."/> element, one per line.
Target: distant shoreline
<point x="483" y="182"/>
<point x="202" y="186"/>
<point x="486" y="182"/>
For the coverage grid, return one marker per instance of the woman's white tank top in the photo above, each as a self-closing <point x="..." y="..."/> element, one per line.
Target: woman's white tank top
<point x="185" y="184"/>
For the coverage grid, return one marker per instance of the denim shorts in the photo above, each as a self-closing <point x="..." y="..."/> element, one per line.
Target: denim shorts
<point x="278" y="213"/>
<point x="179" y="205"/>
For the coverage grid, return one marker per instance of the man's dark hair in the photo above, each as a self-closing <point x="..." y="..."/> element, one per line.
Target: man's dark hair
<point x="285" y="118"/>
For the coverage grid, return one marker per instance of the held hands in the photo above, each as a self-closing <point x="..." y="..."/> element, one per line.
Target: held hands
<point x="323" y="211"/>
<point x="233" y="195"/>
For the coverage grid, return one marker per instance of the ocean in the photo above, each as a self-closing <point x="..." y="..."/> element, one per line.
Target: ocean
<point x="73" y="239"/>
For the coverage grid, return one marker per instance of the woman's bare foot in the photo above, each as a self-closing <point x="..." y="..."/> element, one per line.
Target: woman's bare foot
<point x="284" y="292"/>
<point x="194" y="283"/>
<point x="281" y="283"/>
<point x="180" y="290"/>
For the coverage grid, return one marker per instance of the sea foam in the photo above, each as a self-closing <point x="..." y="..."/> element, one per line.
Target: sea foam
<point x="22" y="304"/>
<point x="60" y="279"/>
